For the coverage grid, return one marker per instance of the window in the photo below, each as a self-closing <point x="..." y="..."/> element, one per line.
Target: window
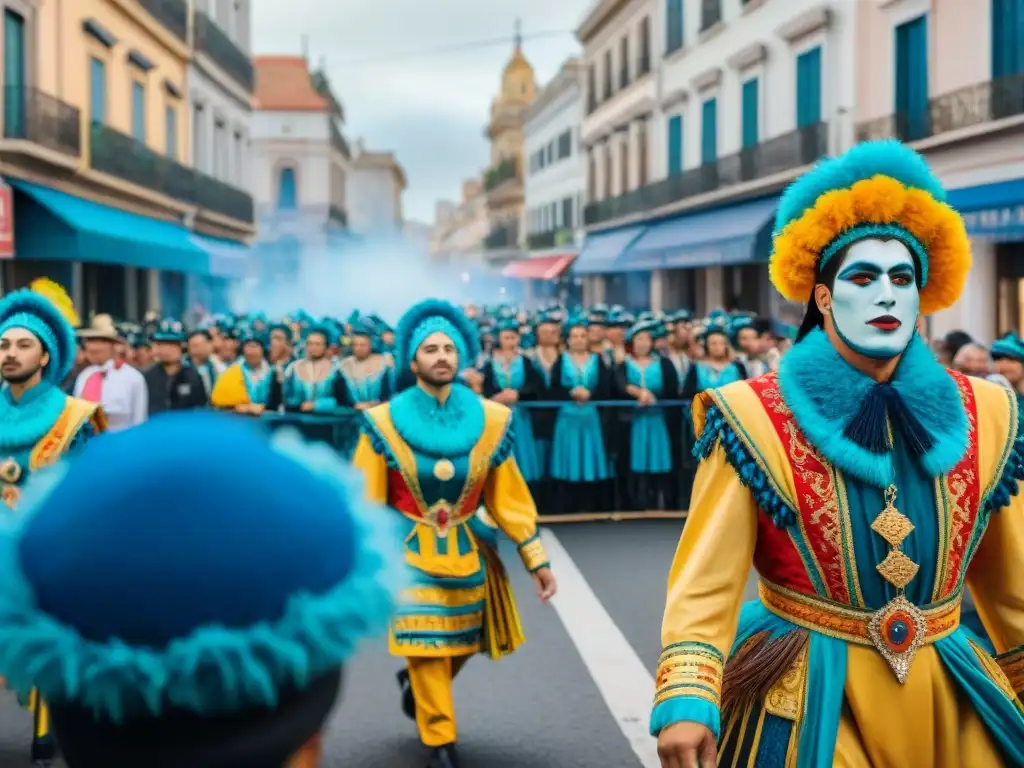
<point x="623" y="167"/>
<point x="220" y="150"/>
<point x="644" y="61"/>
<point x="550" y="149"/>
<point x="287" y="193"/>
<point x="911" y="106"/>
<point x="239" y="159"/>
<point x="1007" y="38"/>
<point x="171" y="131"/>
<point x="673" y="25"/>
<point x="808" y="88"/>
<point x="750" y="113"/>
<point x="608" y="74"/>
<point x="567" y="206"/>
<point x="591" y="88"/>
<point x="624" y="62"/>
<point x="199" y="148"/>
<point x="14" y="74"/>
<point x="138" y="111"/>
<point x="675" y="145"/>
<point x="565" y="145"/>
<point x="97" y="90"/>
<point x="709" y="131"/>
<point x="710" y="13"/>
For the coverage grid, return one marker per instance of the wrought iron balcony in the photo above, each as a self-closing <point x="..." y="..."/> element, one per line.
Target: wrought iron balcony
<point x="710" y="13"/>
<point x="502" y="236"/>
<point x="791" y="150"/>
<point x="502" y="172"/>
<point x="336" y="214"/>
<point x="171" y="14"/>
<point x="338" y="141"/>
<point x="552" y="239"/>
<point x="37" y="117"/>
<point x="131" y="160"/>
<point x="214" y="42"/>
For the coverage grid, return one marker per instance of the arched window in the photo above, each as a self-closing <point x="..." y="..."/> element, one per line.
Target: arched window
<point x="287" y="193"/>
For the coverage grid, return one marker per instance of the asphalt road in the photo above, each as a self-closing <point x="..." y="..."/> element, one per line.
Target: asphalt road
<point x="539" y="708"/>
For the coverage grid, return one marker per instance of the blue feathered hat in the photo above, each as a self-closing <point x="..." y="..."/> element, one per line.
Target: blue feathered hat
<point x="650" y="326"/>
<point x="432" y="316"/>
<point x="508" y="324"/>
<point x="1010" y="346"/>
<point x="170" y="331"/>
<point x="575" y="320"/>
<point x="42" y="318"/>
<point x="127" y="603"/>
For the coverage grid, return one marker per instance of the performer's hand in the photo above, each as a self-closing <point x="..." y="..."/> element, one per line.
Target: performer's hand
<point x="257" y="409"/>
<point x="546" y="584"/>
<point x="582" y="394"/>
<point x="307" y="407"/>
<point x="511" y="397"/>
<point x="687" y="745"/>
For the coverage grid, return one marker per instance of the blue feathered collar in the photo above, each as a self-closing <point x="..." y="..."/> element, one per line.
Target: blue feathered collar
<point x="847" y="415"/>
<point x="23" y="423"/>
<point x="445" y="429"/>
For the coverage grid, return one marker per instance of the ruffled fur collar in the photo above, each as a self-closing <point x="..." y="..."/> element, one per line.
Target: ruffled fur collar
<point x="447" y="429"/>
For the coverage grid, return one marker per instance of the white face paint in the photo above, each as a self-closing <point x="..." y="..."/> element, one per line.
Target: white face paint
<point x="875" y="300"/>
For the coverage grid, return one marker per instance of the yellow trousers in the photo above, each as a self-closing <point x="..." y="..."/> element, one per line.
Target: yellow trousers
<point x="431" y="680"/>
<point x="40" y="717"/>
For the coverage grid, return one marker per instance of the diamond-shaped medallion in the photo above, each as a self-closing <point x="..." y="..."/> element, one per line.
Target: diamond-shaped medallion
<point x="898" y="630"/>
<point x="893" y="526"/>
<point x="898" y="569"/>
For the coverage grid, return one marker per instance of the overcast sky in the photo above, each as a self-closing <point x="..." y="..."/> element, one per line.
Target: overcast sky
<point x="429" y="109"/>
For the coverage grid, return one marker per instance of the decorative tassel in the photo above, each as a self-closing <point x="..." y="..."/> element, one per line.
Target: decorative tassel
<point x="757" y="666"/>
<point x="870" y="427"/>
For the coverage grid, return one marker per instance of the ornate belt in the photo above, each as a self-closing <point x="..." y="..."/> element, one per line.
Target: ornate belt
<point x="897" y="630"/>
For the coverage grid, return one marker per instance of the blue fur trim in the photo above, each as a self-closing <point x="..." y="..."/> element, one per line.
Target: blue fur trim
<point x="23" y="424"/>
<point x="27" y="309"/>
<point x="1008" y="485"/>
<point x="215" y="668"/>
<point x="505" y="447"/>
<point x="871" y="158"/>
<point x="894" y="231"/>
<point x="718" y="431"/>
<point x="825" y="393"/>
<point x="447" y="429"/>
<point x="469" y="349"/>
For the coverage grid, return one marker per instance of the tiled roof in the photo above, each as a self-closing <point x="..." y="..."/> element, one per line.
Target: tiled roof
<point x="283" y="84"/>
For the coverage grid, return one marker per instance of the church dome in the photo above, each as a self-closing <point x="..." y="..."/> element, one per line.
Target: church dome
<point x="517" y="79"/>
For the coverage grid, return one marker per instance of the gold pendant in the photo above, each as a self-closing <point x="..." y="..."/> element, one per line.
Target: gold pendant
<point x="898" y="629"/>
<point x="444" y="470"/>
<point x="10" y="471"/>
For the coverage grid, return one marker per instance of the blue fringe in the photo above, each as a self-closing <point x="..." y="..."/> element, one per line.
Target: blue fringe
<point x="1013" y="473"/>
<point x="717" y="430"/>
<point x="505" y="447"/>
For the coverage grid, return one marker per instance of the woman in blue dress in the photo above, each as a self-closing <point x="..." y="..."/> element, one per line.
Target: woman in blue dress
<point x="367" y="375"/>
<point x="718" y="367"/>
<point x="309" y="382"/>
<point x="579" y="456"/>
<point x="510" y="379"/>
<point x="647" y="378"/>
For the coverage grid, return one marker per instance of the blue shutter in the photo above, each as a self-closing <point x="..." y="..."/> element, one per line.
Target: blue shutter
<point x="673" y="25"/>
<point x="808" y="88"/>
<point x="14" y="75"/>
<point x="286" y="192"/>
<point x="675" y="145"/>
<point x="709" y="132"/>
<point x="750" y="114"/>
<point x="97" y="91"/>
<point x="171" y="130"/>
<point x="138" y="111"/>
<point x="911" y="107"/>
<point x="1007" y="38"/>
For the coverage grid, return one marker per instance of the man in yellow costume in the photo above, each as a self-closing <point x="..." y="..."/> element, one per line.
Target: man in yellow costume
<point x="435" y="453"/>
<point x="38" y="422"/>
<point x="868" y="487"/>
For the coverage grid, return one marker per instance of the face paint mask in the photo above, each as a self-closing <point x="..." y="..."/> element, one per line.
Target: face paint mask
<point x="875" y="299"/>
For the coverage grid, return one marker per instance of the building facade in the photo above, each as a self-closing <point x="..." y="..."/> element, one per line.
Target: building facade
<point x="95" y="144"/>
<point x="746" y="95"/>
<point x="503" y="180"/>
<point x="555" y="176"/>
<point x="460" y="228"/>
<point x="376" y="182"/>
<point x="948" y="77"/>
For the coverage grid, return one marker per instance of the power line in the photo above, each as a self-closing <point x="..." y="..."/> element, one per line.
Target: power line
<point x="454" y="48"/>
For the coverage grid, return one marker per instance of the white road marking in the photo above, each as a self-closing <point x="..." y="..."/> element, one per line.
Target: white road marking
<point x="624" y="682"/>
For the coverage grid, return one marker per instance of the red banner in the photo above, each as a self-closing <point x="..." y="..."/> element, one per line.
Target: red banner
<point x="6" y="221"/>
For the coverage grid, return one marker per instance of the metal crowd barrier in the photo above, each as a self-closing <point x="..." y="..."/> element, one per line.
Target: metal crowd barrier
<point x="624" y="494"/>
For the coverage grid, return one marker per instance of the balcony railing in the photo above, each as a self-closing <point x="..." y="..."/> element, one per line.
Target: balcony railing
<point x="505" y="170"/>
<point x="963" y="108"/>
<point x="792" y="150"/>
<point x="338" y="141"/>
<point x="337" y="214"/>
<point x="131" y="160"/>
<point x="214" y="42"/>
<point x="710" y="13"/>
<point x="502" y="236"/>
<point x="31" y="115"/>
<point x="172" y="15"/>
<point x="552" y="239"/>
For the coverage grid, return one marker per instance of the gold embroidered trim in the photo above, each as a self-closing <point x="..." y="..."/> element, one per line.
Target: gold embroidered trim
<point x="533" y="554"/>
<point x="690" y="669"/>
<point x="1012" y="665"/>
<point x="785" y="699"/>
<point x="442" y="596"/>
<point x="432" y="623"/>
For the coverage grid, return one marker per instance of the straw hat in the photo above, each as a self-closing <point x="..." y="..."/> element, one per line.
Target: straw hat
<point x="101" y="327"/>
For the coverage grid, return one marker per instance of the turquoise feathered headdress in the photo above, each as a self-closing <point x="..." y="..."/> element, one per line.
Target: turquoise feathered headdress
<point x="1010" y="346"/>
<point x="42" y="318"/>
<point x="432" y="316"/>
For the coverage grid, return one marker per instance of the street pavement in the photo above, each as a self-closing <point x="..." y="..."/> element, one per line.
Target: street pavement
<point x="546" y="706"/>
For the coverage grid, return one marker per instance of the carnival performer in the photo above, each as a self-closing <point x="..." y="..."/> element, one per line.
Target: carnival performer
<point x="869" y="487"/>
<point x="718" y="366"/>
<point x="140" y="666"/>
<point x="1008" y="359"/>
<point x="40" y="422"/>
<point x="510" y="378"/>
<point x="366" y="373"/>
<point x="435" y="453"/>
<point x="309" y="381"/>
<point x="248" y="385"/>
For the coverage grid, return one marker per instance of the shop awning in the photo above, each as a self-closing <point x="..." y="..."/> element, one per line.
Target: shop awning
<point x="601" y="250"/>
<point x="730" y="235"/>
<point x="228" y="259"/>
<point x="53" y="225"/>
<point x="993" y="212"/>
<point x="539" y="268"/>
